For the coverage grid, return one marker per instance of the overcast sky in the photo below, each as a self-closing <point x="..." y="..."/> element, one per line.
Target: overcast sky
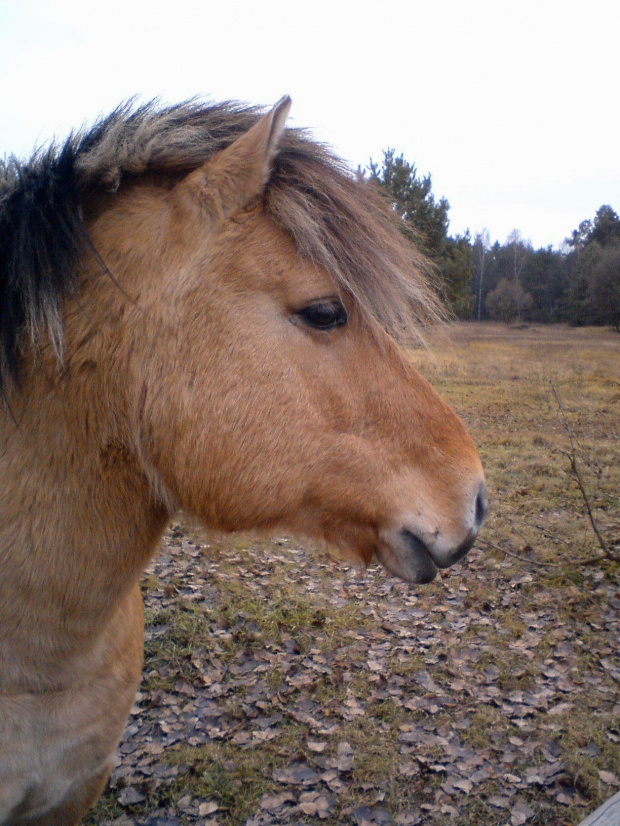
<point x="513" y="107"/>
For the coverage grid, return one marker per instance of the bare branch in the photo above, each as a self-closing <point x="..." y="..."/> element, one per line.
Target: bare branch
<point x="575" y="473"/>
<point x="591" y="560"/>
<point x="516" y="556"/>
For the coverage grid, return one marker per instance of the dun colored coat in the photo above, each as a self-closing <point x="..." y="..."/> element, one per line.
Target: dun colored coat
<point x="201" y="309"/>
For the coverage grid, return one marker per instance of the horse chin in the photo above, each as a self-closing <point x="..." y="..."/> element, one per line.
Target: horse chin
<point x="405" y="556"/>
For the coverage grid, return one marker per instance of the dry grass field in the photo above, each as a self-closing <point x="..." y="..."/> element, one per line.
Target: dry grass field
<point x="280" y="688"/>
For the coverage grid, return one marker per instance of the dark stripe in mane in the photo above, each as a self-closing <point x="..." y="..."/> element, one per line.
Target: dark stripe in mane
<point x="340" y="223"/>
<point x="41" y="236"/>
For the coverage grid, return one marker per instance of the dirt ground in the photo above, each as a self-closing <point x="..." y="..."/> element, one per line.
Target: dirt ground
<point x="280" y="688"/>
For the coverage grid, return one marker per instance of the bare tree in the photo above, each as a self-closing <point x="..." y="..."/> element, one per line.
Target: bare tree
<point x="482" y="242"/>
<point x="521" y="249"/>
<point x="520" y="252"/>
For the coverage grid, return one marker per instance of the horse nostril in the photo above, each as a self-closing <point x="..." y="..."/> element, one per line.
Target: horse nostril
<point x="481" y="505"/>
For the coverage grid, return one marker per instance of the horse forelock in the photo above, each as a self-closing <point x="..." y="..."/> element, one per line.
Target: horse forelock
<point x="341" y="224"/>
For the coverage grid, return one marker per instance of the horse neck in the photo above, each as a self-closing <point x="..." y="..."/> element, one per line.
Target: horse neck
<point x="79" y="520"/>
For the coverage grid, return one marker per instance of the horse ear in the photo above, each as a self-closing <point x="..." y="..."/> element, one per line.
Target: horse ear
<point x="233" y="177"/>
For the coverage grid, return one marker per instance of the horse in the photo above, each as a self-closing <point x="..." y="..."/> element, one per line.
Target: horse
<point x="200" y="308"/>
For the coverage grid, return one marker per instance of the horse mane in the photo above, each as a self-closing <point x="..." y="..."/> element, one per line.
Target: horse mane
<point x="336" y="220"/>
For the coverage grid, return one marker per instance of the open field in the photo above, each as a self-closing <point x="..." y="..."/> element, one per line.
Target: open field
<point x="281" y="688"/>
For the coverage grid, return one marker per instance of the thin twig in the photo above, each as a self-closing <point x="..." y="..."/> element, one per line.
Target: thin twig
<point x="545" y="532"/>
<point x="553" y="537"/>
<point x="586" y="500"/>
<point x="576" y="474"/>
<point x="591" y="560"/>
<point x="515" y="528"/>
<point x="516" y="556"/>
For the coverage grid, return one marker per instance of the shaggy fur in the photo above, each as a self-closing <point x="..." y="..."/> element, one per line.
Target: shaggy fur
<point x="193" y="377"/>
<point x="339" y="223"/>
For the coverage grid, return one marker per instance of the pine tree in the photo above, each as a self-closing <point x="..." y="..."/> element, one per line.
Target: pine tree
<point x="425" y="222"/>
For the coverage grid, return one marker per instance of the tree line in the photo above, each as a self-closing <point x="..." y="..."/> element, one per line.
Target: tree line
<point x="578" y="284"/>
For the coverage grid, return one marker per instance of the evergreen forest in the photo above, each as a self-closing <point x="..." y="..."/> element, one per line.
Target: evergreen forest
<point x="578" y="284"/>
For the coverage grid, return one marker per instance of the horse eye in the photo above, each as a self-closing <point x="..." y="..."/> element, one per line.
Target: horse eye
<point x="324" y="315"/>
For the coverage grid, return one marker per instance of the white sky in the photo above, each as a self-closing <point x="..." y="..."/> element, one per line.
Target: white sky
<point x="513" y="107"/>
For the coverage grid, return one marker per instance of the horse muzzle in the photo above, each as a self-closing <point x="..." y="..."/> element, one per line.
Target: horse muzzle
<point x="415" y="555"/>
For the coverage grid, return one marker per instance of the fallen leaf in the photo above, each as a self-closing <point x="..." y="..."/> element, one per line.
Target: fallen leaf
<point x="130" y="797"/>
<point x="315" y="803"/>
<point x="207" y="808"/>
<point x="275" y="802"/>
<point x="499" y="802"/>
<point x="297" y="774"/>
